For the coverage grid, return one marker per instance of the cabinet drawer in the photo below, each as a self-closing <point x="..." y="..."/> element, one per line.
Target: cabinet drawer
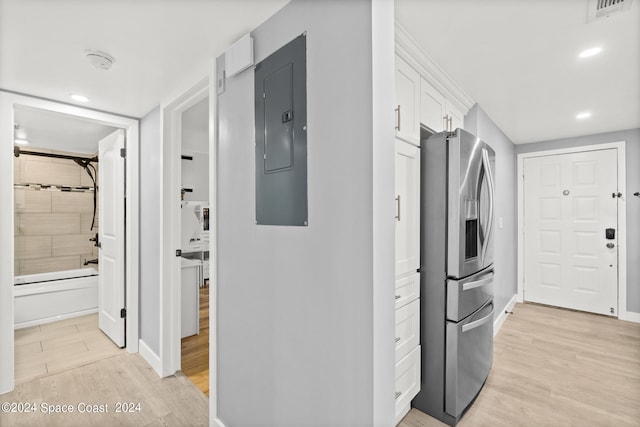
<point x="407" y="289"/>
<point x="407" y="381"/>
<point x="407" y="328"/>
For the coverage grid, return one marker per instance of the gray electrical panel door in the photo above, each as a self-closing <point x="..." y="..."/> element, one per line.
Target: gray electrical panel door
<point x="281" y="136"/>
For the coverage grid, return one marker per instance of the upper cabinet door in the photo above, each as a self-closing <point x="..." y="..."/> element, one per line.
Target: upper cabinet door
<point x="456" y="116"/>
<point x="407" y="102"/>
<point x="432" y="107"/>
<point x="407" y="208"/>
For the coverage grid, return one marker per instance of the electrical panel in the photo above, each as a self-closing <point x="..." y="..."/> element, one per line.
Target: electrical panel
<point x="281" y="136"/>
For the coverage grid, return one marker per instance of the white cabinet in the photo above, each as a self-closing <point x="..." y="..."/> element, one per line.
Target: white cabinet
<point x="436" y="112"/>
<point x="455" y="117"/>
<point x="190" y="297"/>
<point x="433" y="107"/>
<point x="407" y="208"/>
<point x="407" y="102"/>
<point x="407" y="287"/>
<point x="407" y="329"/>
<point x="407" y="383"/>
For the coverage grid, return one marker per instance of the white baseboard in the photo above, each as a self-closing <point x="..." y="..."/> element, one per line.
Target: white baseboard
<point x="629" y="316"/>
<point x="152" y="359"/>
<point x="497" y="324"/>
<point x="216" y="423"/>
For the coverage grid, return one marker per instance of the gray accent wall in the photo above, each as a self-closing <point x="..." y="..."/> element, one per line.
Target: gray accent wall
<point x="632" y="150"/>
<point x="150" y="265"/>
<point x="505" y="286"/>
<point x="306" y="314"/>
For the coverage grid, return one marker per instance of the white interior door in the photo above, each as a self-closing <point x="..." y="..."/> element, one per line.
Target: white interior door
<point x="111" y="281"/>
<point x="568" y="205"/>
<point x="407" y="208"/>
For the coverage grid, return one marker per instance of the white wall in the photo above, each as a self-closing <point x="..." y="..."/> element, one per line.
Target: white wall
<point x="301" y="309"/>
<point x="505" y="285"/>
<point x="150" y="208"/>
<point x="6" y="236"/>
<point x="632" y="150"/>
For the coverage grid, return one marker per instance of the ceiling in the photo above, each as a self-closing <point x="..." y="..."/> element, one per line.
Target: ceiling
<point x="516" y="58"/>
<point x="519" y="60"/>
<point x="60" y="132"/>
<point x="156" y="45"/>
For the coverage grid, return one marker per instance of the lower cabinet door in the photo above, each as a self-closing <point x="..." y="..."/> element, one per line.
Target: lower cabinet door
<point x="407" y="329"/>
<point x="407" y="289"/>
<point x="407" y="381"/>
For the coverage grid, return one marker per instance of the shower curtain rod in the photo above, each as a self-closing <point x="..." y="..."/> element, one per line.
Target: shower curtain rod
<point x="17" y="152"/>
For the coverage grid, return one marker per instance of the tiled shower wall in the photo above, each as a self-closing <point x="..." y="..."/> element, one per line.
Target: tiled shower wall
<point x="52" y="227"/>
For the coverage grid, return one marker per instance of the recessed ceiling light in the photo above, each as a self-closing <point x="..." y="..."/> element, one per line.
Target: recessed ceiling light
<point x="590" y="52"/>
<point x="584" y="115"/>
<point x="79" y="98"/>
<point x="21" y="141"/>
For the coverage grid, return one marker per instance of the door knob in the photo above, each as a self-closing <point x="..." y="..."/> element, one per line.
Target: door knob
<point x="610" y="245"/>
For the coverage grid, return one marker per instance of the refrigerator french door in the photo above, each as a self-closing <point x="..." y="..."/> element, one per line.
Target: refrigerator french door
<point x="456" y="273"/>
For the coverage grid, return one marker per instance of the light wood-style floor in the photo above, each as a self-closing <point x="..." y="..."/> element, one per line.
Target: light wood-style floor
<point x="555" y="367"/>
<point x="195" y="349"/>
<point x="123" y="378"/>
<point x="58" y="346"/>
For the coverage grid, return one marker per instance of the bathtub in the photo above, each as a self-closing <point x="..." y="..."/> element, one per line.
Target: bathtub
<point x="47" y="297"/>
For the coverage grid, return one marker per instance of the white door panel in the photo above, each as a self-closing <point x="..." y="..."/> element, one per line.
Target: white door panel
<point x="408" y="102"/>
<point x="568" y="205"/>
<point x="432" y="107"/>
<point x="407" y="208"/>
<point x="111" y="280"/>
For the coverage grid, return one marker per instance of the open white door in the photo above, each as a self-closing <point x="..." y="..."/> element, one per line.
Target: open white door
<point x="111" y="282"/>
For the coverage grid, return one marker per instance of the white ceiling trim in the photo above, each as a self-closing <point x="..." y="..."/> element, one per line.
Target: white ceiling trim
<point x="408" y="49"/>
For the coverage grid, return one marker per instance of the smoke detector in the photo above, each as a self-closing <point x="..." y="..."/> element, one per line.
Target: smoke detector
<point x="99" y="59"/>
<point x="599" y="9"/>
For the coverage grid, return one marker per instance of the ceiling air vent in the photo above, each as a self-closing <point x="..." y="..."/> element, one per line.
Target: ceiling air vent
<point x="599" y="9"/>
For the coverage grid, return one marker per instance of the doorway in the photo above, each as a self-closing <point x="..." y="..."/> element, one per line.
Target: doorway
<point x="572" y="229"/>
<point x="53" y="245"/>
<point x="194" y="245"/>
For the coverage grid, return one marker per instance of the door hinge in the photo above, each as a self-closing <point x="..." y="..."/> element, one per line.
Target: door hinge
<point x="614" y="195"/>
<point x="123" y="313"/>
<point x="178" y="252"/>
<point x="123" y="153"/>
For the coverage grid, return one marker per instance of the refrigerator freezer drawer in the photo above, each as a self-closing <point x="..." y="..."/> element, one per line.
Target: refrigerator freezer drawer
<point x="465" y="296"/>
<point x="469" y="358"/>
<point x="407" y="381"/>
<point x="407" y="329"/>
<point x="407" y="289"/>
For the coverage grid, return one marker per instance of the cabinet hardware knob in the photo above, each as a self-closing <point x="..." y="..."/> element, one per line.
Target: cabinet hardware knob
<point x="398" y="207"/>
<point x="398" y="393"/>
<point x="398" y="297"/>
<point x="398" y="339"/>
<point x="398" y="118"/>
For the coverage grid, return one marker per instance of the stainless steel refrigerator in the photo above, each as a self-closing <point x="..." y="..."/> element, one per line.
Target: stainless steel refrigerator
<point x="456" y="272"/>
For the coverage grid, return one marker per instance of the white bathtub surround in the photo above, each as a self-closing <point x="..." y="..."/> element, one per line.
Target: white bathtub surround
<point x="49" y="297"/>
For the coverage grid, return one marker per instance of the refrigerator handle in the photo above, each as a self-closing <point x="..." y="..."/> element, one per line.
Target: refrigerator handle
<point x="487" y="167"/>
<point x="478" y="323"/>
